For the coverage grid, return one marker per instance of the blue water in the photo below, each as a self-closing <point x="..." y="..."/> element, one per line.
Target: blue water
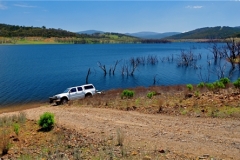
<point x="30" y="73"/>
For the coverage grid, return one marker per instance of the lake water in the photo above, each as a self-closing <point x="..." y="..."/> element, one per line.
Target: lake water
<point x="30" y="73"/>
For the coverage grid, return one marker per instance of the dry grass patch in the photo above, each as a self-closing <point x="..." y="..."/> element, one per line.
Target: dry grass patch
<point x="172" y="100"/>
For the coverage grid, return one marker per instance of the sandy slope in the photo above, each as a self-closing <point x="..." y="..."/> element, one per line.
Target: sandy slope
<point x="219" y="138"/>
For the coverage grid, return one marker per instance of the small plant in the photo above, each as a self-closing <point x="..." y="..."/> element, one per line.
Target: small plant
<point x="237" y="83"/>
<point x="151" y="94"/>
<point x="184" y="112"/>
<point x="46" y="121"/>
<point x="190" y="87"/>
<point x="5" y="141"/>
<point x="120" y="137"/>
<point x="197" y="93"/>
<point x="22" y="117"/>
<point x="201" y="85"/>
<point x="225" y="80"/>
<point x="127" y="94"/>
<point x="16" y="128"/>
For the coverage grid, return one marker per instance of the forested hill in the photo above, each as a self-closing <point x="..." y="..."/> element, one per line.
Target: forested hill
<point x="209" y="33"/>
<point x="22" y="31"/>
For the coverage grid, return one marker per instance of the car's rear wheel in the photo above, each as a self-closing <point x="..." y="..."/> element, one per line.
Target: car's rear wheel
<point x="88" y="95"/>
<point x="64" y="101"/>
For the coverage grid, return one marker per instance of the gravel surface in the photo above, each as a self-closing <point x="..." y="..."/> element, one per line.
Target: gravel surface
<point x="193" y="137"/>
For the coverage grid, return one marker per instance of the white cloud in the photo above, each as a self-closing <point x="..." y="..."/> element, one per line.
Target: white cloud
<point x="194" y="7"/>
<point x="197" y="7"/>
<point x="24" y="6"/>
<point x="2" y="7"/>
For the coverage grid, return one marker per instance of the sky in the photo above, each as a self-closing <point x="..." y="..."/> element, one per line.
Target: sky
<point x="121" y="16"/>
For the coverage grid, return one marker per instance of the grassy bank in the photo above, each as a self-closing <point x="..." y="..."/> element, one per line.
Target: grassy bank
<point x="108" y="38"/>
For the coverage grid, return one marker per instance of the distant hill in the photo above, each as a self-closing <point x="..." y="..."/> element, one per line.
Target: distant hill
<point x="152" y="35"/>
<point x="90" y="32"/>
<point x="209" y="33"/>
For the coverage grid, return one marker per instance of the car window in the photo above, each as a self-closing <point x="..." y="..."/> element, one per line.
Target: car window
<point x="88" y="87"/>
<point x="79" y="88"/>
<point x="73" y="90"/>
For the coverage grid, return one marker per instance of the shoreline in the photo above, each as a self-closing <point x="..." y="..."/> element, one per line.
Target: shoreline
<point x="21" y="107"/>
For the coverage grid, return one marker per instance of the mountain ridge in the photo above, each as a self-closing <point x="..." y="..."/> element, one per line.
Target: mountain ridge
<point x="152" y="35"/>
<point x="218" y="32"/>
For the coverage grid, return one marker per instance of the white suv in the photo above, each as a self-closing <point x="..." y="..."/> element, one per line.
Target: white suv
<point x="73" y="93"/>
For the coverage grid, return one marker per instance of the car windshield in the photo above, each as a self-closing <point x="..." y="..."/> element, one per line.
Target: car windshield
<point x="67" y="90"/>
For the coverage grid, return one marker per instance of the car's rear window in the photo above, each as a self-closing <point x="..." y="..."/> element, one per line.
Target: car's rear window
<point x="88" y="87"/>
<point x="79" y="88"/>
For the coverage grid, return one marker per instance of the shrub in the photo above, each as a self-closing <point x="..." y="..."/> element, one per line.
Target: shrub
<point x="16" y="128"/>
<point x="201" y="85"/>
<point x="190" y="87"/>
<point x="218" y="84"/>
<point x="46" y="121"/>
<point x="210" y="86"/>
<point x="225" y="80"/>
<point x="151" y="94"/>
<point x="127" y="94"/>
<point x="237" y="83"/>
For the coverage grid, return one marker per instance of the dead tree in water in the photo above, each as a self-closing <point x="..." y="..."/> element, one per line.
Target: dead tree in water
<point x="151" y="59"/>
<point x="187" y="59"/>
<point x="219" y="70"/>
<point x="155" y="80"/>
<point x="134" y="64"/>
<point x="214" y="49"/>
<point x="206" y="77"/>
<point x="102" y="67"/>
<point x="232" y="52"/>
<point x="88" y="75"/>
<point x="114" y="68"/>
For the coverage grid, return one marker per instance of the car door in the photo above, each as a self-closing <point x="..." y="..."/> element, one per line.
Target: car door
<point x="80" y="93"/>
<point x="73" y="93"/>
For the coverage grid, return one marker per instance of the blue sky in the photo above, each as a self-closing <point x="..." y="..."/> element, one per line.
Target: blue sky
<point x="121" y="16"/>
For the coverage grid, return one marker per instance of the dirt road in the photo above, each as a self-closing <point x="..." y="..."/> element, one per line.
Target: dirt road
<point x="219" y="138"/>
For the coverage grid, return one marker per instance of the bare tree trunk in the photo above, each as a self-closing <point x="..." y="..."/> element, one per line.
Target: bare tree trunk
<point x="87" y="75"/>
<point x="154" y="79"/>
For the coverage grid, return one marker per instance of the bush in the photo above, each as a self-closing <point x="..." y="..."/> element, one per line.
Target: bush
<point x="210" y="86"/>
<point x="225" y="80"/>
<point x="218" y="84"/>
<point x="16" y="128"/>
<point x="201" y="85"/>
<point x="127" y="94"/>
<point x="190" y="87"/>
<point x="46" y="121"/>
<point x="151" y="94"/>
<point x="237" y="83"/>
